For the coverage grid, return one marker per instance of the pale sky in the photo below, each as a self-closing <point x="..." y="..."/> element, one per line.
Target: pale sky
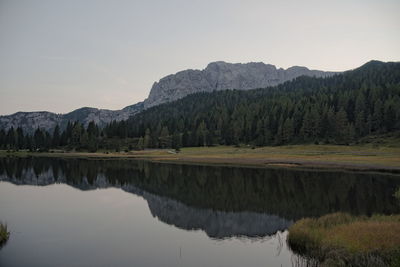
<point x="58" y="55"/>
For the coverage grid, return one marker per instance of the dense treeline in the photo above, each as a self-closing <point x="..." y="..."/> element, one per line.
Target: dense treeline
<point x="75" y="136"/>
<point x="337" y="110"/>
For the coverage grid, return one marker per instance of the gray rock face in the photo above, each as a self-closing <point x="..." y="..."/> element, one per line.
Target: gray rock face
<point x="30" y="121"/>
<point x="216" y="76"/>
<point x="220" y="76"/>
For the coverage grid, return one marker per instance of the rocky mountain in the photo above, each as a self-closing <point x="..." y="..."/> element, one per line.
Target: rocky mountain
<point x="220" y="76"/>
<point x="216" y="76"/>
<point x="30" y="121"/>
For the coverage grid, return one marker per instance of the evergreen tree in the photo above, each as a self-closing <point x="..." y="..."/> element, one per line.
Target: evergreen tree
<point x="202" y="134"/>
<point x="165" y="140"/>
<point x="147" y="139"/>
<point x="287" y="131"/>
<point x="39" y="139"/>
<point x="176" y="141"/>
<point x="140" y="144"/>
<point x="377" y="118"/>
<point x="341" y="127"/>
<point x="56" y="136"/>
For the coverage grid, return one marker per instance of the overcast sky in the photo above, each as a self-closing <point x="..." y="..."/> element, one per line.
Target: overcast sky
<point x="62" y="55"/>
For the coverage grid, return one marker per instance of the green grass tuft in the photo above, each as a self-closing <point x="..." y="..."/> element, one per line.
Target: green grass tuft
<point x="4" y="234"/>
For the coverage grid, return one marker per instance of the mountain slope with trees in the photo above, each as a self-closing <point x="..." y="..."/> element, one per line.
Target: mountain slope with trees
<point x="337" y="110"/>
<point x="216" y="76"/>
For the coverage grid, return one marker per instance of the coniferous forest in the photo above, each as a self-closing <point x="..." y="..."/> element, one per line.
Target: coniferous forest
<point x="335" y="110"/>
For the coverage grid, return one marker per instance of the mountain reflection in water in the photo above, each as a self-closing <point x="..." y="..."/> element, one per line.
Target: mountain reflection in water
<point x="221" y="201"/>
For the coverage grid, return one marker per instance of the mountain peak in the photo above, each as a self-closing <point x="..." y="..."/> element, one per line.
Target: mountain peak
<point x="221" y="75"/>
<point x="218" y="75"/>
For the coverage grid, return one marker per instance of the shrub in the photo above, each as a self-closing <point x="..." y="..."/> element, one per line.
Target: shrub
<point x="4" y="234"/>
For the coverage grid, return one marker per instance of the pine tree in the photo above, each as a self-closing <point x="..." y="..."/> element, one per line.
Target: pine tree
<point x="311" y="127"/>
<point x="92" y="136"/>
<point x="341" y="126"/>
<point x="19" y="138"/>
<point x="377" y="117"/>
<point x="147" y="139"/>
<point x="176" y="141"/>
<point x="360" y="124"/>
<point x="165" y="140"/>
<point x="287" y="131"/>
<point x="39" y="139"/>
<point x="76" y="134"/>
<point x="202" y="134"/>
<point x="389" y="118"/>
<point x="140" y="144"/>
<point x="2" y="139"/>
<point x="56" y="136"/>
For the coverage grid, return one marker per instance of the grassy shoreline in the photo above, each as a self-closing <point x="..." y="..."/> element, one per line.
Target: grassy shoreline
<point x="340" y="239"/>
<point x="354" y="158"/>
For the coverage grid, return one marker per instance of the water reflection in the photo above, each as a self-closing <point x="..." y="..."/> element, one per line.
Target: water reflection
<point x="221" y="201"/>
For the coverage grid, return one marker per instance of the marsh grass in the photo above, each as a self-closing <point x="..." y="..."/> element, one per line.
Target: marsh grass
<point x="4" y="234"/>
<point x="340" y="239"/>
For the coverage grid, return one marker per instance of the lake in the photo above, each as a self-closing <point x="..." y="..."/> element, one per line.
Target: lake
<point x="80" y="212"/>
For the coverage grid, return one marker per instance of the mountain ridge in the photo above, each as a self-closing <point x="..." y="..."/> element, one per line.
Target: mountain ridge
<point x="30" y="121"/>
<point x="218" y="75"/>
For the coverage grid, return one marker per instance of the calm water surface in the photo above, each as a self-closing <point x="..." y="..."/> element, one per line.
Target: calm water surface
<point x="69" y="212"/>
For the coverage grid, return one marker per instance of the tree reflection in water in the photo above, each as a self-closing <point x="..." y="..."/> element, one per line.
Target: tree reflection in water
<point x="223" y="202"/>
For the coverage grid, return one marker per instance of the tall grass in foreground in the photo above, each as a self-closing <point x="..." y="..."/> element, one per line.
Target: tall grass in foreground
<point x="4" y="234"/>
<point x="341" y="239"/>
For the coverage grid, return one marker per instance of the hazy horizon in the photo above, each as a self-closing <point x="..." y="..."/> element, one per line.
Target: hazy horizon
<point x="58" y="56"/>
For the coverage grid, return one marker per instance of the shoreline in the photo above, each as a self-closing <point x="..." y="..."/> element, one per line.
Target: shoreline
<point x="315" y="157"/>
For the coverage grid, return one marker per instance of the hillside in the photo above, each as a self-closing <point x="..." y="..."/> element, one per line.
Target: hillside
<point x="337" y="109"/>
<point x="346" y="108"/>
<point x="216" y="76"/>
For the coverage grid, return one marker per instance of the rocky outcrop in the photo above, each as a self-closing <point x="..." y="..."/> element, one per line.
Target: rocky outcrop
<point x="30" y="121"/>
<point x="220" y="76"/>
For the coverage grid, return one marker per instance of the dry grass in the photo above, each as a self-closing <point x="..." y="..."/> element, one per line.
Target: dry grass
<point x="366" y="236"/>
<point x="299" y="155"/>
<point x="348" y="239"/>
<point x="363" y="157"/>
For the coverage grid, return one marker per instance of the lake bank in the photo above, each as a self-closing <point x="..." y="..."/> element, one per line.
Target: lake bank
<point x="345" y="240"/>
<point x="354" y="158"/>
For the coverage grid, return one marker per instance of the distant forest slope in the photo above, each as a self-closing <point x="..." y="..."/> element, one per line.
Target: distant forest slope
<point x="337" y="109"/>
